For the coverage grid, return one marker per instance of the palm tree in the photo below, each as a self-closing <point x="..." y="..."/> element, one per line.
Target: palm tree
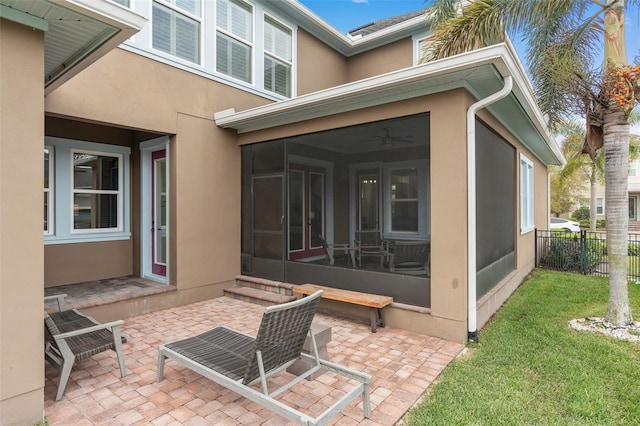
<point x="591" y="163"/>
<point x="563" y="38"/>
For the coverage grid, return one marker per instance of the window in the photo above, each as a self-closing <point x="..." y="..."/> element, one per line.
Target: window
<point x="633" y="169"/>
<point x="404" y="200"/>
<point x="277" y="57"/>
<point x="48" y="190"/>
<point x="97" y="191"/>
<point x="599" y="205"/>
<point x="125" y="3"/>
<point x="176" y="28"/>
<point x="90" y="187"/>
<point x="234" y="37"/>
<point x="526" y="195"/>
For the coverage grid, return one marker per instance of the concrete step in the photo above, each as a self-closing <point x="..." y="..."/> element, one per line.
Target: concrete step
<point x="261" y="291"/>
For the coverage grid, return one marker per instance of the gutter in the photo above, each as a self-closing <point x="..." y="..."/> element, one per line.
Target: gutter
<point x="471" y="204"/>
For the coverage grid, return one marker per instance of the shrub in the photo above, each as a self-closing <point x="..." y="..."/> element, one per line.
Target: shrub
<point x="573" y="254"/>
<point x="581" y="214"/>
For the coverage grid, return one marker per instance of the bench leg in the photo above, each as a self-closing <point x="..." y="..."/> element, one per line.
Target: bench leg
<point x="376" y="319"/>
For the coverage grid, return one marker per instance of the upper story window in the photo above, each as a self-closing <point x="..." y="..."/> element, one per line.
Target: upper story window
<point x="633" y="169"/>
<point x="277" y="57"/>
<point x="240" y="43"/>
<point x="526" y="195"/>
<point x="48" y="190"/>
<point x="234" y="39"/>
<point x="176" y="28"/>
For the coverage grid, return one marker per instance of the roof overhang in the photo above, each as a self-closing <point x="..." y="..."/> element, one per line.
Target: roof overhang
<point x="344" y="44"/>
<point x="76" y="32"/>
<point x="481" y="72"/>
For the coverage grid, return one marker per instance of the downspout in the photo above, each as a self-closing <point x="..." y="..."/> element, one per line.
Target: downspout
<point x="471" y="204"/>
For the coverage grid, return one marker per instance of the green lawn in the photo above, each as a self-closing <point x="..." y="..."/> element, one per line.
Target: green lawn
<point x="531" y="368"/>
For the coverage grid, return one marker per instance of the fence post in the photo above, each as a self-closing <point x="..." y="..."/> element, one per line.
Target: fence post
<point x="583" y="252"/>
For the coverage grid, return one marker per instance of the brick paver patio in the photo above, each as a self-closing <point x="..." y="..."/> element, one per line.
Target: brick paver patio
<point x="403" y="365"/>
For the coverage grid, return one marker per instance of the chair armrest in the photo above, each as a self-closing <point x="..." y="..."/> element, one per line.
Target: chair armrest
<point x="107" y="325"/>
<point x="59" y="298"/>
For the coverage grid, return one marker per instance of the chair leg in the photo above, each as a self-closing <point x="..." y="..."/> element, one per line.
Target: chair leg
<point x="67" y="365"/>
<point x="117" y="340"/>
<point x="161" y="359"/>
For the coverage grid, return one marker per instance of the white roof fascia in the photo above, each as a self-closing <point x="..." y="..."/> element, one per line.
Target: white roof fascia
<point x="392" y="87"/>
<point x="292" y="110"/>
<point x="342" y="42"/>
<point x="126" y="21"/>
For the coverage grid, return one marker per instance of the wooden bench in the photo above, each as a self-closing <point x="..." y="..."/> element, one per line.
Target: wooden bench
<point x="373" y="301"/>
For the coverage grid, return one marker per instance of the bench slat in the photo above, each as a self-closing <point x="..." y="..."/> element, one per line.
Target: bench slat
<point x="348" y="296"/>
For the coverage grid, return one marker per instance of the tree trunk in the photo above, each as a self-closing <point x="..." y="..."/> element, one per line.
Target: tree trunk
<point x="616" y="150"/>
<point x="616" y="170"/>
<point x="593" y="206"/>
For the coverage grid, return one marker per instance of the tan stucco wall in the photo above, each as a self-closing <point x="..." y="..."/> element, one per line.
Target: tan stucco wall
<point x="319" y="66"/>
<point x="21" y="240"/>
<point x="74" y="263"/>
<point x="391" y="57"/>
<point x="204" y="165"/>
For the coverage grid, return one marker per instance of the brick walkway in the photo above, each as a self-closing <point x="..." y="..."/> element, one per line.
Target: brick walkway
<point x="403" y="365"/>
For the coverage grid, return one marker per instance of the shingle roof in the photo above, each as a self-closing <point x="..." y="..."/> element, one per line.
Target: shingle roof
<point x="381" y="24"/>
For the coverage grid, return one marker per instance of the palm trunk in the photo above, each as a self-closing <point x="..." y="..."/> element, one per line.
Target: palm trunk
<point x="616" y="150"/>
<point x="593" y="200"/>
<point x="616" y="168"/>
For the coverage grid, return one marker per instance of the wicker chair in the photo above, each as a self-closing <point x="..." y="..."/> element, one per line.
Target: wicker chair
<point x="238" y="361"/>
<point x="409" y="257"/>
<point x="71" y="336"/>
<point x="369" y="243"/>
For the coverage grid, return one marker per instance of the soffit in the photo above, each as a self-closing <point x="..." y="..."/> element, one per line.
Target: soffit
<point x="480" y="72"/>
<point x="76" y="33"/>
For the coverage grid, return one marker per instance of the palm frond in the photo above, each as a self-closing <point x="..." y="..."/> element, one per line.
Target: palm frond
<point x="440" y="11"/>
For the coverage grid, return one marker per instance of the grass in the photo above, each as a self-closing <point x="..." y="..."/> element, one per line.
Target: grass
<point x="529" y="367"/>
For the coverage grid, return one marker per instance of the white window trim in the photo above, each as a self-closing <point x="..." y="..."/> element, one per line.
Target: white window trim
<point x="272" y="55"/>
<point x="527" y="195"/>
<point x="63" y="231"/>
<point x="51" y="192"/>
<point x="201" y="28"/>
<point x="141" y="44"/>
<point x="601" y="207"/>
<point x="423" y="200"/>
<point x="118" y="192"/>
<point x="251" y="43"/>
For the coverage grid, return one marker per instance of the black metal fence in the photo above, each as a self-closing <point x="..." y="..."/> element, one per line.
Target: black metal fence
<point x="584" y="252"/>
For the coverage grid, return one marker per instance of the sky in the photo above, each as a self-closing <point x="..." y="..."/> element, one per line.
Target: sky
<point x="346" y="15"/>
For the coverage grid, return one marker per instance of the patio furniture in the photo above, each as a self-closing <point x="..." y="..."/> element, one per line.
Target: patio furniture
<point x="373" y="301"/>
<point x="331" y="252"/>
<point x="71" y="336"/>
<point x="369" y="243"/>
<point x="238" y="361"/>
<point x="409" y="257"/>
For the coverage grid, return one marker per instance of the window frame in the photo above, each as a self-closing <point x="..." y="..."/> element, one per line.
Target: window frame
<point x="50" y="190"/>
<point x="74" y="191"/>
<point x="599" y="206"/>
<point x="228" y="33"/>
<point x="175" y="9"/>
<point x="527" y="195"/>
<point x="63" y="169"/>
<point x="422" y="182"/>
<point x="268" y="19"/>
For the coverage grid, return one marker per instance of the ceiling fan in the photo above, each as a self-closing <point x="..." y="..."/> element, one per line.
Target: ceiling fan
<point x="388" y="140"/>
